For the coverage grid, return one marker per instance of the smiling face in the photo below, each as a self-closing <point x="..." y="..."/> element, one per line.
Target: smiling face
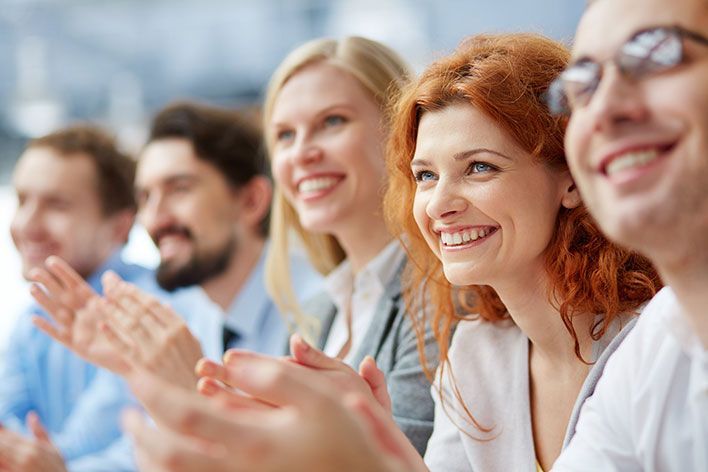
<point x="189" y="210"/>
<point x="327" y="150"/>
<point x="486" y="208"/>
<point x="59" y="212"/>
<point x="639" y="149"/>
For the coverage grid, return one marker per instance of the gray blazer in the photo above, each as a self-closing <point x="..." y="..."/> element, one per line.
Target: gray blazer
<point x="391" y="340"/>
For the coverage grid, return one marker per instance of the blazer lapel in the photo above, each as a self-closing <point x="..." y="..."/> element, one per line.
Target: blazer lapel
<point x="383" y="320"/>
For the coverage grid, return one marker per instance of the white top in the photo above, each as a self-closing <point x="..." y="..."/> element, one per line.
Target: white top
<point x="650" y="409"/>
<point x="362" y="294"/>
<point x="490" y="365"/>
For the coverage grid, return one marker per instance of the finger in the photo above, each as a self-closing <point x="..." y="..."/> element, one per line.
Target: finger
<point x="160" y="312"/>
<point x="382" y="427"/>
<point x="54" y="332"/>
<point x="69" y="277"/>
<point x="122" y="346"/>
<point x="311" y="357"/>
<point x="48" y="281"/>
<point x="110" y="281"/>
<point x="59" y="313"/>
<point x="208" y="368"/>
<point x="276" y="381"/>
<point x="227" y="397"/>
<point x="35" y="426"/>
<point x="189" y="413"/>
<point x="369" y="371"/>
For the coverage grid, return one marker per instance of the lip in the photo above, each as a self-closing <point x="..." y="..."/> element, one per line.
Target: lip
<point x="491" y="230"/>
<point x="664" y="147"/>
<point x="318" y="175"/>
<point x="316" y="195"/>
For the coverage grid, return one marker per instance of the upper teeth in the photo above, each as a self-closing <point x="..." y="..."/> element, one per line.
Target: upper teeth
<point x="462" y="237"/>
<point x="631" y="159"/>
<point x="315" y="184"/>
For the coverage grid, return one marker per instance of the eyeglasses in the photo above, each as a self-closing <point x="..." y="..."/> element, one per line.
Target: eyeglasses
<point x="647" y="52"/>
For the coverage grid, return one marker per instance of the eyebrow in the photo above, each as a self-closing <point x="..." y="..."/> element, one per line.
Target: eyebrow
<point x="462" y="156"/>
<point x="323" y="111"/>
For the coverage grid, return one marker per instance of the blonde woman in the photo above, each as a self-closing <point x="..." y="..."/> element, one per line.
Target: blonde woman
<point x="326" y="125"/>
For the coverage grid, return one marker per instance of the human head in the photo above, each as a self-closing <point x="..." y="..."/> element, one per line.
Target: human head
<point x="380" y="73"/>
<point x="203" y="189"/>
<point x="75" y="199"/>
<point x="658" y="125"/>
<point x="504" y="77"/>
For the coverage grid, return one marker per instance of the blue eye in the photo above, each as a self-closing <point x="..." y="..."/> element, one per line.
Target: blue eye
<point x="424" y="175"/>
<point x="284" y="135"/>
<point x="334" y="120"/>
<point x="481" y="167"/>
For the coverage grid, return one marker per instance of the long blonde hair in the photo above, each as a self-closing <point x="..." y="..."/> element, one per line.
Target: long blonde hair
<point x="382" y="73"/>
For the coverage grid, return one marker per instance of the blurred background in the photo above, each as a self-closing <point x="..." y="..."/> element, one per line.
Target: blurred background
<point x="116" y="62"/>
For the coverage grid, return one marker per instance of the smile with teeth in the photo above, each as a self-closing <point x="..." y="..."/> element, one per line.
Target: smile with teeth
<point x="631" y="160"/>
<point x="461" y="238"/>
<point x="317" y="184"/>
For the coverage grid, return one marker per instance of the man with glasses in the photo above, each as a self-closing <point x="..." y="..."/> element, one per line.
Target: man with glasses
<point x="637" y="144"/>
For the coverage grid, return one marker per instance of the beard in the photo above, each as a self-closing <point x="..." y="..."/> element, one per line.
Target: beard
<point x="201" y="267"/>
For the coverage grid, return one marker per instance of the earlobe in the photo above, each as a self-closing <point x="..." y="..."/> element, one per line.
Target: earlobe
<point x="571" y="197"/>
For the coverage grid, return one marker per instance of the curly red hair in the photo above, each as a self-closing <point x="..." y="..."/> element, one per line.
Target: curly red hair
<point x="505" y="77"/>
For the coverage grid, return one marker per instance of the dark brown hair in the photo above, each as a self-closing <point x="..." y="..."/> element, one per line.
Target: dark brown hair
<point x="227" y="139"/>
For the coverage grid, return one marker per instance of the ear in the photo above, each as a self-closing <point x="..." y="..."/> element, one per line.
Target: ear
<point x="122" y="222"/>
<point x="571" y="197"/>
<point x="254" y="201"/>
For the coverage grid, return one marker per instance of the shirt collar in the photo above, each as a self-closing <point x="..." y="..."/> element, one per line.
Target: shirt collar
<point x="246" y="312"/>
<point x="380" y="270"/>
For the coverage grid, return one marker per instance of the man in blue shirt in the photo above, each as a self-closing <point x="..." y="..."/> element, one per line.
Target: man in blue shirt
<point x="75" y="200"/>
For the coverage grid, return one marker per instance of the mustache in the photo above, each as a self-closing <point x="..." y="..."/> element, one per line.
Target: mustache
<point x="172" y="230"/>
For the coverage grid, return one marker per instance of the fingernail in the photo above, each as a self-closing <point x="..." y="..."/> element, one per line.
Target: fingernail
<point x="205" y="368"/>
<point x="206" y="387"/>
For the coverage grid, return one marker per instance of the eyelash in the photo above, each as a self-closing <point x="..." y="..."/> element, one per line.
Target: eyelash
<point x="418" y="175"/>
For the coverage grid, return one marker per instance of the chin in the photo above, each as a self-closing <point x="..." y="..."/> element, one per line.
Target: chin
<point x="459" y="274"/>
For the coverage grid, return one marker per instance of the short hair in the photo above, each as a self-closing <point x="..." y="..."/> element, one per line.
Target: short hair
<point x="382" y="73"/>
<point x="226" y="139"/>
<point x="115" y="171"/>
<point x="505" y="77"/>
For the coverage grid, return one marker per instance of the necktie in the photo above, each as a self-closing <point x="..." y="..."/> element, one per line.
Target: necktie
<point x="229" y="336"/>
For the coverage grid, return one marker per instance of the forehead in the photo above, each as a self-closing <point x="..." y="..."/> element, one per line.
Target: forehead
<point x="166" y="158"/>
<point x="460" y="127"/>
<point x="606" y="24"/>
<point x="318" y="86"/>
<point x="44" y="170"/>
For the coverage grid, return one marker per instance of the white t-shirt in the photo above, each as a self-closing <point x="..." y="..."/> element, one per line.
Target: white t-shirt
<point x="649" y="411"/>
<point x="361" y="294"/>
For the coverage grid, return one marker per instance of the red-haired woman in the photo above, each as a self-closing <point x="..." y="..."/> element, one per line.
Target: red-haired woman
<point x="501" y="243"/>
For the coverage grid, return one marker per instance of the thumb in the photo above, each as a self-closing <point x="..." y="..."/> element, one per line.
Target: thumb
<point x="35" y="425"/>
<point x="309" y="356"/>
<point x="369" y="371"/>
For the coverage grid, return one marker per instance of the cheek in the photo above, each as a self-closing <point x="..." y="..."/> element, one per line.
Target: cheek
<point x="421" y="217"/>
<point x="282" y="176"/>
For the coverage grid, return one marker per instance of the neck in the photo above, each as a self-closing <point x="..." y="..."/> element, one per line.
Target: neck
<point x="363" y="241"/>
<point x="688" y="279"/>
<point x="528" y="305"/>
<point x="224" y="288"/>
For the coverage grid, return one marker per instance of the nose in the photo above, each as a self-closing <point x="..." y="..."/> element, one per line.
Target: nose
<point x="445" y="202"/>
<point x="617" y="101"/>
<point x="306" y="152"/>
<point x="154" y="213"/>
<point x="28" y="222"/>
